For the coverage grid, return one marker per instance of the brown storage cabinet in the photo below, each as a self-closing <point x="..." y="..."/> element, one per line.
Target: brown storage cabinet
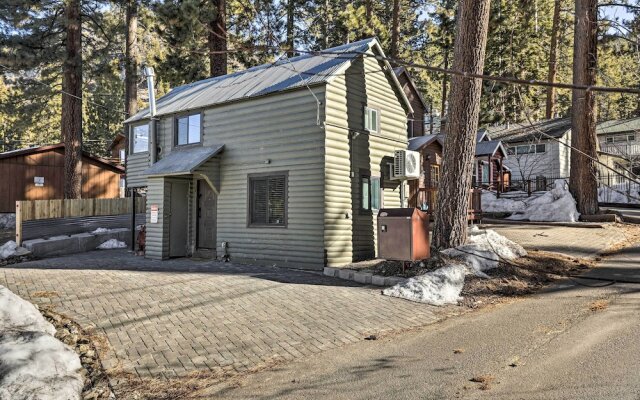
<point x="403" y="234"/>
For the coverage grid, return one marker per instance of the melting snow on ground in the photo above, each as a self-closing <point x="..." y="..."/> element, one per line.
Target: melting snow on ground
<point x="620" y="193"/>
<point x="34" y="364"/>
<point x="8" y="249"/>
<point x="483" y="251"/>
<point x="556" y="205"/>
<point x="101" y="230"/>
<point x="112" y="244"/>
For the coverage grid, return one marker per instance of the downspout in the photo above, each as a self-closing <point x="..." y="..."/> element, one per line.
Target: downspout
<point x="153" y="137"/>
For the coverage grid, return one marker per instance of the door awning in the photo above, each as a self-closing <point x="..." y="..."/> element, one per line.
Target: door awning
<point x="183" y="161"/>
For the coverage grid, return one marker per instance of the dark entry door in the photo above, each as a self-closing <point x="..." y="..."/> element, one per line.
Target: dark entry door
<point x="178" y="219"/>
<point x="206" y="216"/>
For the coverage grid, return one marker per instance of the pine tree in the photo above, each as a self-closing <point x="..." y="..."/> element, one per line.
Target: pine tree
<point x="450" y="228"/>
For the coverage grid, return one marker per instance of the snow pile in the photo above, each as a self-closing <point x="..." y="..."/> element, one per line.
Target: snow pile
<point x="7" y="221"/>
<point x="18" y="314"/>
<point x="34" y="364"/>
<point x="483" y="250"/>
<point x="556" y="205"/>
<point x="101" y="230"/>
<point x="619" y="193"/>
<point x="8" y="249"/>
<point x="112" y="244"/>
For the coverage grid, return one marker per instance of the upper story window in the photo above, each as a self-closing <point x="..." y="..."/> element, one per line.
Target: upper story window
<point x="140" y="138"/>
<point x="188" y="129"/>
<point x="371" y="119"/>
<point x="529" y="149"/>
<point x="609" y="139"/>
<point x="631" y="138"/>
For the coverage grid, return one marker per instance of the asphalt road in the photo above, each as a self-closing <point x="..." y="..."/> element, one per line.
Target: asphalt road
<point x="570" y="342"/>
<point x="631" y="212"/>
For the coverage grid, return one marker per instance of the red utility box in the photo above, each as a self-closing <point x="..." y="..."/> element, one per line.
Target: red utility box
<point x="403" y="234"/>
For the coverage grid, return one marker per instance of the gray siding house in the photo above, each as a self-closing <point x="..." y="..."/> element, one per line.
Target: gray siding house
<point x="282" y="164"/>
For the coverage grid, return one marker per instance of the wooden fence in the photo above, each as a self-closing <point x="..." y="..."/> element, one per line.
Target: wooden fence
<point x="32" y="210"/>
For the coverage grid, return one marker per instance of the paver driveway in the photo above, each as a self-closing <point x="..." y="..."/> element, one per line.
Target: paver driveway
<point x="229" y="317"/>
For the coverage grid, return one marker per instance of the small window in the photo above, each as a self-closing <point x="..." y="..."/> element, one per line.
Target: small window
<point x="140" y="138"/>
<point x="188" y="129"/>
<point x="371" y="119"/>
<point x="268" y="200"/>
<point x="541" y="148"/>
<point x="631" y="138"/>
<point x="370" y="193"/>
<point x="435" y="174"/>
<point x="609" y="139"/>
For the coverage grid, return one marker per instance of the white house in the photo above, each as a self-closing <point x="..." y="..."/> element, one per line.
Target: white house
<point x="622" y="138"/>
<point x="538" y="150"/>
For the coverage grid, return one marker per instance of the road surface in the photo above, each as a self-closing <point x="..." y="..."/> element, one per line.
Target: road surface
<point x="570" y="342"/>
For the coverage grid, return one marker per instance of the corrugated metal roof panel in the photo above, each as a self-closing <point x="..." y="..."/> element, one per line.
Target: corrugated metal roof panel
<point x="258" y="81"/>
<point x="183" y="161"/>
<point x="488" y="147"/>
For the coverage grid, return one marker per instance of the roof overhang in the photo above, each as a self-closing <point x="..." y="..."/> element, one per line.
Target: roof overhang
<point x="183" y="161"/>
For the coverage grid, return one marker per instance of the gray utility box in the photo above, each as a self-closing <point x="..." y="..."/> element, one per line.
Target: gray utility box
<point x="403" y="234"/>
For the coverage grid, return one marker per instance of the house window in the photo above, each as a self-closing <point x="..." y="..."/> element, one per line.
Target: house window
<point x="140" y="138"/>
<point x="188" y="129"/>
<point x="609" y="139"/>
<point x="370" y="193"/>
<point x="530" y="149"/>
<point x="371" y="119"/>
<point x="541" y="148"/>
<point x="268" y="200"/>
<point x="435" y="174"/>
<point x="631" y="138"/>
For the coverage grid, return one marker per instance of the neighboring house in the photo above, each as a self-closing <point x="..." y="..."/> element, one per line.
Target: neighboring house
<point x="118" y="148"/>
<point x="534" y="150"/>
<point x="489" y="170"/>
<point x="420" y="115"/>
<point x="37" y="173"/>
<point x="284" y="163"/>
<point x="422" y="192"/>
<point x="621" y="138"/>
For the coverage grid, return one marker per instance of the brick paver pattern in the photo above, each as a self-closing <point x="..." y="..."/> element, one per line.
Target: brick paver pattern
<point x="183" y="315"/>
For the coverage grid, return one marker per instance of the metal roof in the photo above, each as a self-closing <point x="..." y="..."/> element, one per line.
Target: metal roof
<point x="296" y="72"/>
<point x="415" y="143"/>
<point x="183" y="161"/>
<point x="523" y="132"/>
<point x="58" y="147"/>
<point x="618" y="126"/>
<point x="489" y="148"/>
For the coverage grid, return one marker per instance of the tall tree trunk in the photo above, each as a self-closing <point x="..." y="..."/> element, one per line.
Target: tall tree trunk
<point x="583" y="182"/>
<point x="368" y="9"/>
<point x="553" y="67"/>
<point x="131" y="59"/>
<point x="218" y="39"/>
<point x="443" y="100"/>
<point x="325" y="25"/>
<point x="464" y="110"/>
<point x="395" y="28"/>
<point x="71" y="122"/>
<point x="291" y="7"/>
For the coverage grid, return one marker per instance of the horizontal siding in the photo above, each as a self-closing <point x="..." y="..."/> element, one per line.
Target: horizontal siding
<point x="136" y="164"/>
<point x="274" y="133"/>
<point x="157" y="240"/>
<point x="350" y="234"/>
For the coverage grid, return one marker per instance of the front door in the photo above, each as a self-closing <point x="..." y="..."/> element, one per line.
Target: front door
<point x="206" y="216"/>
<point x="178" y="219"/>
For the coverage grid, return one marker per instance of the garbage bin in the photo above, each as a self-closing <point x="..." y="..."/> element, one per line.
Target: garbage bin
<point x="403" y="234"/>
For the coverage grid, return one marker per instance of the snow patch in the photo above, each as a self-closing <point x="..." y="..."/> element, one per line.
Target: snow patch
<point x="621" y="193"/>
<point x="483" y="251"/>
<point x="101" y="230"/>
<point x="8" y="249"/>
<point x="556" y="205"/>
<point x="7" y="221"/>
<point x="112" y="244"/>
<point x="34" y="364"/>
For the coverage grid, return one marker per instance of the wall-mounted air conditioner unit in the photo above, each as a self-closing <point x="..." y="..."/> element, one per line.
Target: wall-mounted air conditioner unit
<point x="406" y="164"/>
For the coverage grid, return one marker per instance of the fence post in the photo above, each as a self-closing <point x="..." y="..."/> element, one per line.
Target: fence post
<point x="18" y="223"/>
<point x="529" y="187"/>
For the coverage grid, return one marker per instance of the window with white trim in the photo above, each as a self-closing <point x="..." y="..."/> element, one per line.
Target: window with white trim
<point x="371" y="119"/>
<point x="140" y="140"/>
<point x="188" y="129"/>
